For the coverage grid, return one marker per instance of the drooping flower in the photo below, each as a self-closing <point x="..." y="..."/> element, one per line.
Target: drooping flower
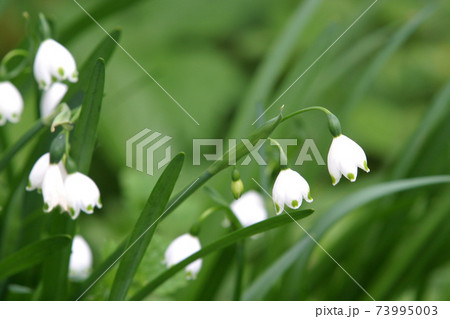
<point x="249" y="209"/>
<point x="290" y="188"/>
<point x="344" y="158"/>
<point x="80" y="263"/>
<point x="82" y="194"/>
<point x="38" y="172"/>
<point x="181" y="248"/>
<point x="53" y="190"/>
<point x="11" y="103"/>
<point x="52" y="98"/>
<point x="54" y="63"/>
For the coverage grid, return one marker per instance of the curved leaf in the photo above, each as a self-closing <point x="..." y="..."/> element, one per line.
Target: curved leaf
<point x="145" y="228"/>
<point x="32" y="255"/>
<point x="225" y="241"/>
<point x="261" y="286"/>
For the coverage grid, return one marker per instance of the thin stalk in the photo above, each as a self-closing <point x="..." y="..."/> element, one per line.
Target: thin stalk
<point x="27" y="137"/>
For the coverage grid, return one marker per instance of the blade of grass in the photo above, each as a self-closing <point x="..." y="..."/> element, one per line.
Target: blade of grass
<point x="55" y="270"/>
<point x="16" y="147"/>
<point x="32" y="255"/>
<point x="436" y="114"/>
<point x="104" y="50"/>
<point x="145" y="227"/>
<point x="101" y="11"/>
<point x="271" y="68"/>
<point x="303" y="249"/>
<point x="392" y="46"/>
<point x="85" y="133"/>
<point x="221" y="243"/>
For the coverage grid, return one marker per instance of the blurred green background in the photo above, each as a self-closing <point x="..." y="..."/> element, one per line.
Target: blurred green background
<point x="387" y="79"/>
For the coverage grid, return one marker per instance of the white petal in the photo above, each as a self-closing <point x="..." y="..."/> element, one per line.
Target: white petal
<point x="181" y="248"/>
<point x="289" y="189"/>
<point x="38" y="172"/>
<point x="249" y="208"/>
<point x="53" y="61"/>
<point x="11" y="103"/>
<point x="344" y="157"/>
<point x="52" y="98"/>
<point x="80" y="264"/>
<point x="53" y="189"/>
<point x="82" y="194"/>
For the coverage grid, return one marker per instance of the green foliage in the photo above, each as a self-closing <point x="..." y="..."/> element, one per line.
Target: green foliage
<point x="386" y="79"/>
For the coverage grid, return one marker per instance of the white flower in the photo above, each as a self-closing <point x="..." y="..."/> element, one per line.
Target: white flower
<point x="289" y="189"/>
<point x="344" y="158"/>
<point x="38" y="172"/>
<point x="249" y="209"/>
<point x="82" y="194"/>
<point x="53" y="63"/>
<point x="181" y="248"/>
<point x="80" y="264"/>
<point x="11" y="103"/>
<point x="53" y="189"/>
<point x="52" y="98"/>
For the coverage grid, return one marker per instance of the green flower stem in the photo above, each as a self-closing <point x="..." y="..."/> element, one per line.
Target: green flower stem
<point x="333" y="122"/>
<point x="240" y="151"/>
<point x="7" y="75"/>
<point x="283" y="157"/>
<point x="27" y="137"/>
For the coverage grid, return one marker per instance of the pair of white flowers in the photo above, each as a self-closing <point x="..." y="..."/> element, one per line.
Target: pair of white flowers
<point x="72" y="192"/>
<point x="344" y="158"/>
<point x="53" y="65"/>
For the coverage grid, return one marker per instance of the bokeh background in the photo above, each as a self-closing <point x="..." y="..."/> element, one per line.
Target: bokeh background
<point x="387" y="79"/>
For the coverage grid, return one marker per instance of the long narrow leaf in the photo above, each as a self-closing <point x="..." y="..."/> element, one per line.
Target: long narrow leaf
<point x="85" y="133"/>
<point x="32" y="255"/>
<point x="225" y="241"/>
<point x="145" y="228"/>
<point x="260" y="287"/>
<point x="55" y="269"/>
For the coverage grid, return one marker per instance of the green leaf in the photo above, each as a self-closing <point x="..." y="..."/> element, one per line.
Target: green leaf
<point x="145" y="228"/>
<point x="35" y="130"/>
<point x="55" y="269"/>
<point x="432" y="119"/>
<point x="104" y="50"/>
<point x="271" y="68"/>
<point x="85" y="133"/>
<point x="32" y="255"/>
<point x="303" y="249"/>
<point x="375" y="66"/>
<point x="101" y="11"/>
<point x="221" y="243"/>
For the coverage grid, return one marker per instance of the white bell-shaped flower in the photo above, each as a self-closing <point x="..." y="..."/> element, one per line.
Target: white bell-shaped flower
<point x="54" y="63"/>
<point x="344" y="158"/>
<point x="80" y="264"/>
<point x="52" y="98"/>
<point x="53" y="189"/>
<point x="249" y="208"/>
<point x="82" y="194"/>
<point x="181" y="248"/>
<point x="290" y="189"/>
<point x="38" y="171"/>
<point x="11" y="103"/>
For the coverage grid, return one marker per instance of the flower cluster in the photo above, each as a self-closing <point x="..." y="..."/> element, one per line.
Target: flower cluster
<point x="72" y="192"/>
